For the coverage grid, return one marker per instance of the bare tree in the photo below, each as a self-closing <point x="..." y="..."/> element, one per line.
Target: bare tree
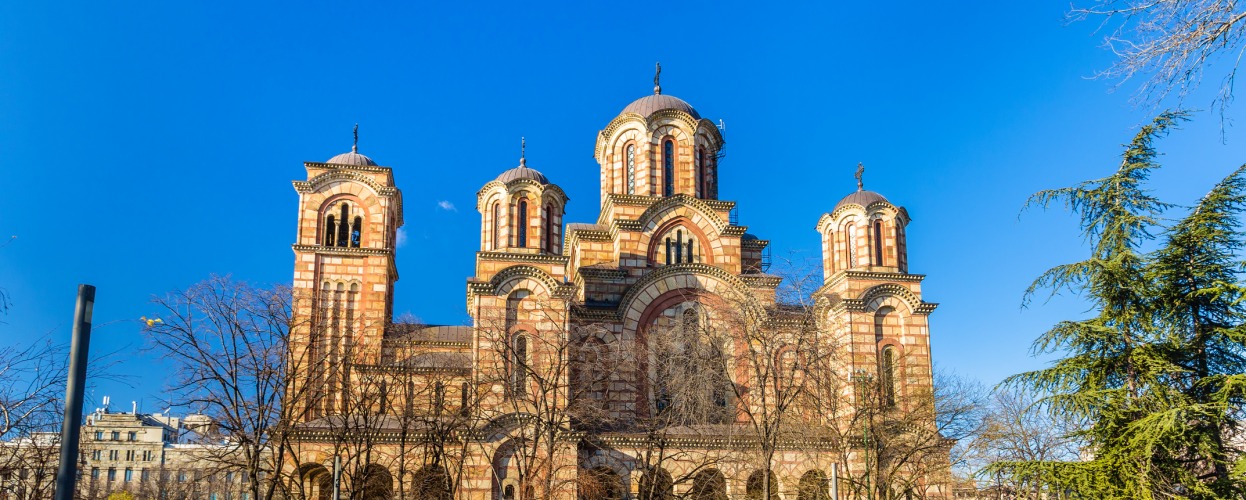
<point x="230" y="343"/>
<point x="1015" y="429"/>
<point x="1171" y="44"/>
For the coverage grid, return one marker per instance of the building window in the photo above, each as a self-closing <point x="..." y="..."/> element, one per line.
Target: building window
<point x="851" y="234"/>
<point x="878" y="242"/>
<point x="519" y="364"/>
<point x="887" y="375"/>
<point x="129" y="474"/>
<point x="112" y="474"/>
<point x="116" y="435"/>
<point x="668" y="168"/>
<point x="330" y="231"/>
<point x="631" y="169"/>
<point x="129" y="455"/>
<point x="113" y="454"/>
<point x="521" y="225"/>
<point x="97" y="454"/>
<point x="700" y="180"/>
<point x="99" y="435"/>
<point x="132" y="436"/>
<point x="95" y="473"/>
<point x="144" y="475"/>
<point x="497" y="223"/>
<point x="356" y="232"/>
<point x="464" y="401"/>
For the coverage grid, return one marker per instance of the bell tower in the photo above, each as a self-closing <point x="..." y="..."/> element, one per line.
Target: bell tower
<point x="344" y="271"/>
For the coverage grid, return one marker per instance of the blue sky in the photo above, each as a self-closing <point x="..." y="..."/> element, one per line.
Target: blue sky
<point x="147" y="146"/>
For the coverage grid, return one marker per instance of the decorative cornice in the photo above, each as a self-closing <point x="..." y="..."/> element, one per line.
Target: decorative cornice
<point x="315" y="183"/>
<point x="416" y="370"/>
<point x="599" y="273"/>
<point x="838" y="277"/>
<point x="755" y="244"/>
<point x="761" y="280"/>
<point x="523" y="257"/>
<point x="343" y="251"/>
<point x="557" y="289"/>
<point x="734" y="231"/>
<point x="374" y="169"/>
<point x="675" y="269"/>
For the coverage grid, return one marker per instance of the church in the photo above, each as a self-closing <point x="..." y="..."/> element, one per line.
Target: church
<point x="646" y="355"/>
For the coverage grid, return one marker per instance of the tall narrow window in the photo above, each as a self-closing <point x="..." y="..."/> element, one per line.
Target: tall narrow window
<point x="356" y="232"/>
<point x="521" y="225"/>
<point x="464" y="395"/>
<point x="384" y="397"/>
<point x="343" y="227"/>
<point x="851" y="233"/>
<point x="668" y="168"/>
<point x="439" y="397"/>
<point x="668" y="250"/>
<point x="679" y="246"/>
<point x="631" y="169"/>
<point x="549" y="228"/>
<point x="519" y="362"/>
<point x="497" y="222"/>
<point x="878" y="242"/>
<point x="330" y="230"/>
<point x="700" y="180"/>
<point x="690" y="240"/>
<point x="887" y="375"/>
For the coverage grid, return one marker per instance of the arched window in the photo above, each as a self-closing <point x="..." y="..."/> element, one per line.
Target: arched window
<point x="878" y="242"/>
<point x="521" y="224"/>
<point x="851" y="234"/>
<point x="464" y="398"/>
<point x="887" y="375"/>
<point x="343" y="229"/>
<point x="668" y="250"/>
<point x="691" y="321"/>
<point x="330" y="231"/>
<point x="668" y="168"/>
<point x="439" y="397"/>
<point x="519" y="365"/>
<point x="700" y="180"/>
<point x="631" y="168"/>
<point x="410" y="398"/>
<point x="679" y="246"/>
<point x="549" y="228"/>
<point x="384" y="397"/>
<point x="497" y="224"/>
<point x="356" y="232"/>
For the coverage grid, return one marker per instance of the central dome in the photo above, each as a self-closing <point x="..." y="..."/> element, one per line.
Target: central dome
<point x="651" y="104"/>
<point x="352" y="158"/>
<point x="863" y="198"/>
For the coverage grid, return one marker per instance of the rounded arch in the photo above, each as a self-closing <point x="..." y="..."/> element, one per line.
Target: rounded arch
<point x="527" y="277"/>
<point x="813" y="486"/>
<point x="708" y="484"/>
<point x="315" y="482"/>
<point x="877" y="296"/>
<point x="320" y="182"/>
<point x="376" y="483"/>
<point x="759" y="482"/>
<point x="655" y="239"/>
<point x="698" y="277"/>
<point x="600" y="483"/>
<point x="656" y="484"/>
<point x="431" y="483"/>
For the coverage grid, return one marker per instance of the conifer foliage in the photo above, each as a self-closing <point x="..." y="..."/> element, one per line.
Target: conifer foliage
<point x="1156" y="373"/>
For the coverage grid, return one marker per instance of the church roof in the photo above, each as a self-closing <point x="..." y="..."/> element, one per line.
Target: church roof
<point x="352" y="158"/>
<point x="522" y="172"/>
<point x="862" y="197"/>
<point x="651" y="104"/>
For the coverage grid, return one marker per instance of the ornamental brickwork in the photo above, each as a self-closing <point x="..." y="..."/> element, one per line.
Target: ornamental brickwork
<point x="645" y="355"/>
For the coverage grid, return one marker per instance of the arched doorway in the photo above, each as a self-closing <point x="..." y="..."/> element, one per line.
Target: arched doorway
<point x="656" y="484"/>
<point x="755" y="488"/>
<point x="315" y="482"/>
<point x="709" y="484"/>
<point x="431" y="483"/>
<point x="377" y="484"/>
<point x="600" y="483"/>
<point x="813" y="486"/>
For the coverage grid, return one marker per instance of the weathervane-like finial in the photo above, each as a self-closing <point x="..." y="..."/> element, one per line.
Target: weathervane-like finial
<point x="523" y="146"/>
<point x="860" y="172"/>
<point x="355" y="148"/>
<point x="657" y="87"/>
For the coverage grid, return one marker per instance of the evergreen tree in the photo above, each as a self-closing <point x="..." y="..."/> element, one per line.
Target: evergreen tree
<point x="1156" y="374"/>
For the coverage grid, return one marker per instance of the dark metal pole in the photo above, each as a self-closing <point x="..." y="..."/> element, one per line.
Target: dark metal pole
<point x="67" y="474"/>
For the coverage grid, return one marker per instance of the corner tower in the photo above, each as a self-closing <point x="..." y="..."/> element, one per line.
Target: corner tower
<point x="873" y="303"/>
<point x="344" y="271"/>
